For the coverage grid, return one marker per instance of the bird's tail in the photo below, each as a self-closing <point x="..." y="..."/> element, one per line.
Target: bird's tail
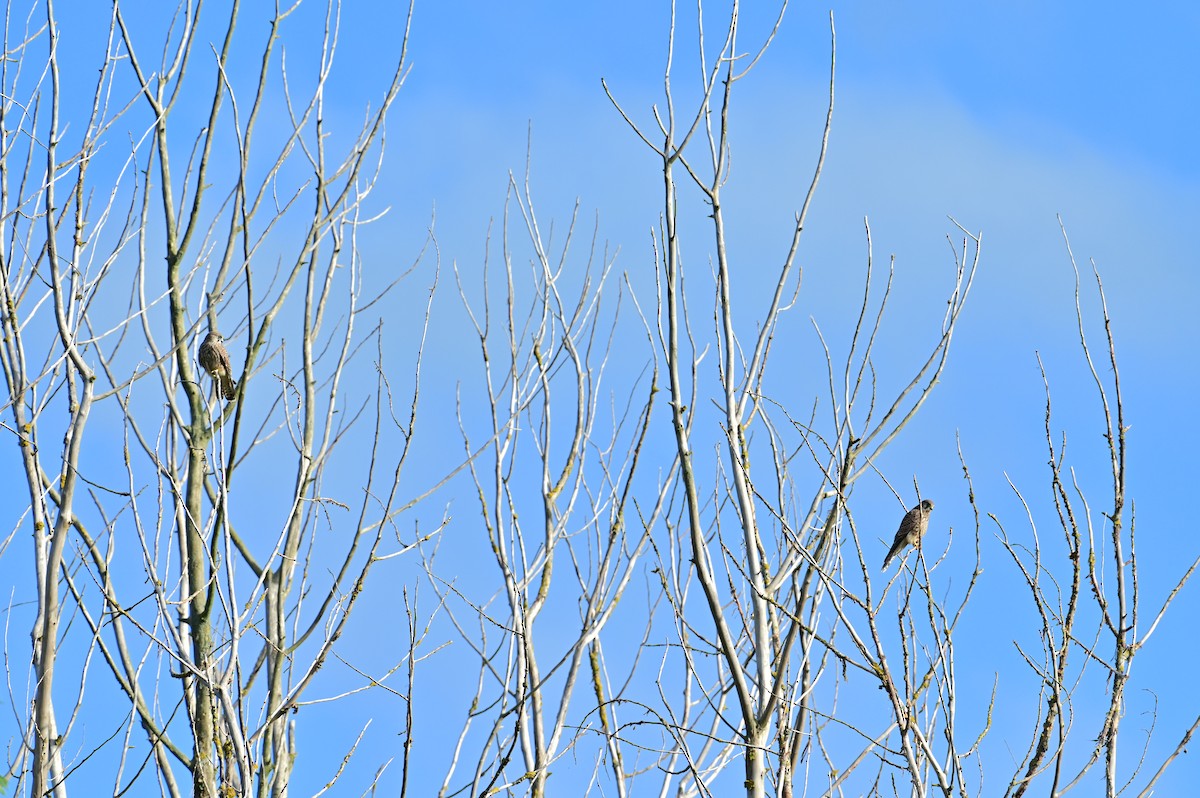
<point x="228" y="387"/>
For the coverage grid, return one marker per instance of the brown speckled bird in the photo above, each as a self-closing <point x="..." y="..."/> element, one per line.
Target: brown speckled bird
<point x="915" y="522"/>
<point x="214" y="358"/>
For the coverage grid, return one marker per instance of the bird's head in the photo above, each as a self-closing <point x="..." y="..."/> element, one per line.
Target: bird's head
<point x="926" y="505"/>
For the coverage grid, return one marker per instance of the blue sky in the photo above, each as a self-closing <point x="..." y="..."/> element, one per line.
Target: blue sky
<point x="1004" y="116"/>
<point x="1001" y="115"/>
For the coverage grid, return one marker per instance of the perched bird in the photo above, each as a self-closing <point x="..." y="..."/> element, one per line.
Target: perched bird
<point x="915" y="522"/>
<point x="214" y="358"/>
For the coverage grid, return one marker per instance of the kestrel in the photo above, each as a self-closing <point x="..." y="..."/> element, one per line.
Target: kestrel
<point x="214" y="358"/>
<point x="915" y="522"/>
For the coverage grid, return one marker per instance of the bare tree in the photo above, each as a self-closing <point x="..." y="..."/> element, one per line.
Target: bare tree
<point x="216" y="646"/>
<point x="1094" y="563"/>
<point x="768" y="566"/>
<point x="554" y="480"/>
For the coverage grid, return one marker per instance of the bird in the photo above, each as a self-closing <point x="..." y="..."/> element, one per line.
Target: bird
<point x="915" y="522"/>
<point x="214" y="358"/>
